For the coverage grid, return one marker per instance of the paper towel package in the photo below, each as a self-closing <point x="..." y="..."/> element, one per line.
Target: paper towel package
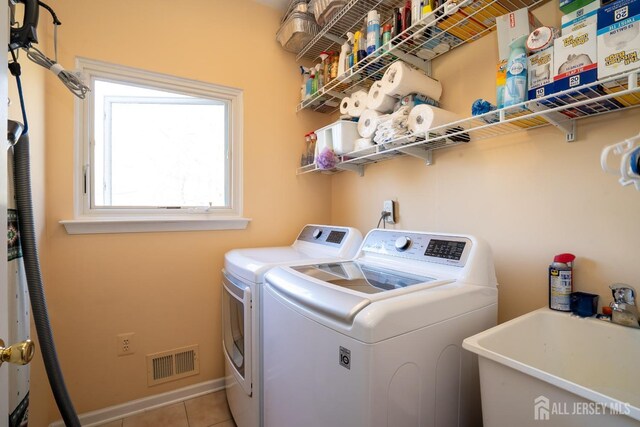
<point x="575" y="59"/>
<point x="512" y="26"/>
<point x="400" y="79"/>
<point x="378" y="100"/>
<point x="580" y="18"/>
<point x="618" y="37"/>
<point x="540" y="67"/>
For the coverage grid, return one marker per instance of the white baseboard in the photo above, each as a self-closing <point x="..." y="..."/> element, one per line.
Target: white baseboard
<point x="113" y="413"/>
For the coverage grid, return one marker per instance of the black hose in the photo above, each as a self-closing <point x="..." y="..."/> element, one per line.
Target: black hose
<point x="22" y="178"/>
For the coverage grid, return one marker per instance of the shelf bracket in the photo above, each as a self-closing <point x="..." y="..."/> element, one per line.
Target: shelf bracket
<point x="335" y="39"/>
<point x="418" y="152"/>
<point x="556" y="119"/>
<point x="359" y="169"/>
<point x="413" y="60"/>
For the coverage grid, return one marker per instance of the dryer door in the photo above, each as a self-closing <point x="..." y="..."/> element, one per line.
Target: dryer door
<point x="236" y="313"/>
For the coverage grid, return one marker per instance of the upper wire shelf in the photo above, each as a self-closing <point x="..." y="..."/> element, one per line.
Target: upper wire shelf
<point x="559" y="109"/>
<point x="427" y="39"/>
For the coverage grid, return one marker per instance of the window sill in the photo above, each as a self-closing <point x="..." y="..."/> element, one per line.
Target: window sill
<point x="150" y="225"/>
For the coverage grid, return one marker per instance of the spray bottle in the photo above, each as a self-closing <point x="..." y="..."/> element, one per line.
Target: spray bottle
<point x="343" y="64"/>
<point x="516" y="88"/>
<point x="305" y="89"/>
<point x="373" y="32"/>
<point x="561" y="282"/>
<point x="314" y="81"/>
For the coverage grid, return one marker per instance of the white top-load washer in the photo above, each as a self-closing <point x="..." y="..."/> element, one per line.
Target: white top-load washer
<point x="377" y="341"/>
<point x="242" y="276"/>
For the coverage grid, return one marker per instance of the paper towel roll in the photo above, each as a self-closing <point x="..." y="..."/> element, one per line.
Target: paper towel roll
<point x="400" y="80"/>
<point x="378" y="100"/>
<point x="358" y="103"/>
<point x="368" y="122"/>
<point x="344" y="105"/>
<point x="423" y="118"/>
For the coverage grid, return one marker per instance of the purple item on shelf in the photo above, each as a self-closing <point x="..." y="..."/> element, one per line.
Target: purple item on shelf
<point x="327" y="159"/>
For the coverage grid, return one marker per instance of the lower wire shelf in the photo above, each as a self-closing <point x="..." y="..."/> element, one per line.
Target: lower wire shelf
<point x="559" y="109"/>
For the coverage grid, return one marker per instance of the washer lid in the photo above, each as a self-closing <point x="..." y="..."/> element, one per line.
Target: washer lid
<point x="361" y="277"/>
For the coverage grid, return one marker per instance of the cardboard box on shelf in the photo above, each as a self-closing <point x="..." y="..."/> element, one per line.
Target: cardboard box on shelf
<point x="575" y="59"/>
<point x="582" y="17"/>
<point x="568" y="6"/>
<point x="540" y="67"/>
<point x="512" y="26"/>
<point x="618" y="37"/>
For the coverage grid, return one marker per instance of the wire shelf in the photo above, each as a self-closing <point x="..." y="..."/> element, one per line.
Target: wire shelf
<point x="559" y="109"/>
<point x="432" y="36"/>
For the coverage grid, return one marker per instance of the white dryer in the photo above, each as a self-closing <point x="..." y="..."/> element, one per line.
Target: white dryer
<point x="242" y="276"/>
<point x="377" y="341"/>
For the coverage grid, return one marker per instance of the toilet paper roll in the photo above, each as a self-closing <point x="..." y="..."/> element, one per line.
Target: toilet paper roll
<point x="368" y="122"/>
<point x="423" y="118"/>
<point x="378" y="100"/>
<point x="400" y="80"/>
<point x="358" y="103"/>
<point x="344" y="105"/>
<point x="362" y="143"/>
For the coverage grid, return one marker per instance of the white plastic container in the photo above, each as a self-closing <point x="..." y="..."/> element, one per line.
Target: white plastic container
<point x="339" y="136"/>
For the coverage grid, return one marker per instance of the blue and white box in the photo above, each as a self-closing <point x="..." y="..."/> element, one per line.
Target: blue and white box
<point x="618" y="37"/>
<point x="580" y="18"/>
<point x="540" y="67"/>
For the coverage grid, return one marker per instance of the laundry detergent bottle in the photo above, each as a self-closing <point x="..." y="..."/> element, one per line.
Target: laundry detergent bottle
<point x="516" y="87"/>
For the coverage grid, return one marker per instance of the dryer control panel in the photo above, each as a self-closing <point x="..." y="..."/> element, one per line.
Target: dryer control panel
<point x="323" y="235"/>
<point x="435" y="248"/>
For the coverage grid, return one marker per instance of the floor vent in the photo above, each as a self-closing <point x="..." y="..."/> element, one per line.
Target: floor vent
<point x="172" y="365"/>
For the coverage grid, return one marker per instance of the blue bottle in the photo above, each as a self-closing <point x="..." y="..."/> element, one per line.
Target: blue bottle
<point x="515" y="91"/>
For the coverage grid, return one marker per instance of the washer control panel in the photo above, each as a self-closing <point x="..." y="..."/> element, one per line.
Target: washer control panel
<point x="435" y="248"/>
<point x="331" y="236"/>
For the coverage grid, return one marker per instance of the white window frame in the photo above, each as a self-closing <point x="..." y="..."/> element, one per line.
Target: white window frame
<point x="88" y="219"/>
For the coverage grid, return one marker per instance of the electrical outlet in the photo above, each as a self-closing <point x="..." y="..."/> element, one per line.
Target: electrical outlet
<point x="125" y="344"/>
<point x="390" y="207"/>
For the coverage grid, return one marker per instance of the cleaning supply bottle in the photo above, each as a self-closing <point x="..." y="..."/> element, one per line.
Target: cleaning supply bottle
<point x="516" y="87"/>
<point x="324" y="66"/>
<point x="386" y="35"/>
<point x="319" y="76"/>
<point x="561" y="282"/>
<point x="314" y="80"/>
<point x="373" y="31"/>
<point x="334" y="65"/>
<point x="416" y="11"/>
<point x="304" y="89"/>
<point x="345" y="50"/>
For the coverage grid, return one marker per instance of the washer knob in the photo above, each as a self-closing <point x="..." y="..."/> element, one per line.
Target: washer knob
<point x="403" y="243"/>
<point x="317" y="233"/>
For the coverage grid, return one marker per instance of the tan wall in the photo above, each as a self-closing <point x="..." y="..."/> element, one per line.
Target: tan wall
<point x="530" y="194"/>
<point x="165" y="287"/>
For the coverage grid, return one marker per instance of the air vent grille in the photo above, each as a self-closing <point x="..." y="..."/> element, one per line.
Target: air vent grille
<point x="171" y="365"/>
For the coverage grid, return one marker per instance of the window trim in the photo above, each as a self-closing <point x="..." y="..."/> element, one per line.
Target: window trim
<point x="92" y="220"/>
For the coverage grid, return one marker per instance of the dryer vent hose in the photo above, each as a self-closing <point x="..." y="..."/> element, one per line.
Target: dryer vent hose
<point x="22" y="178"/>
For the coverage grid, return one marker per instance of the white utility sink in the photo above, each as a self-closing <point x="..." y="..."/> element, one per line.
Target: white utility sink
<point x="556" y="369"/>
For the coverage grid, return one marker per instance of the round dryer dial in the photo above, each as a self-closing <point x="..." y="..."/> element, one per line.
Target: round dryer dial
<point x="317" y="233"/>
<point x="403" y="243"/>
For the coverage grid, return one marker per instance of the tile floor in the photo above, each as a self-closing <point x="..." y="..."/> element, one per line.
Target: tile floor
<point x="210" y="410"/>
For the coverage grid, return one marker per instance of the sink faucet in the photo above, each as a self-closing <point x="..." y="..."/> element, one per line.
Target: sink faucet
<point x="624" y="310"/>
